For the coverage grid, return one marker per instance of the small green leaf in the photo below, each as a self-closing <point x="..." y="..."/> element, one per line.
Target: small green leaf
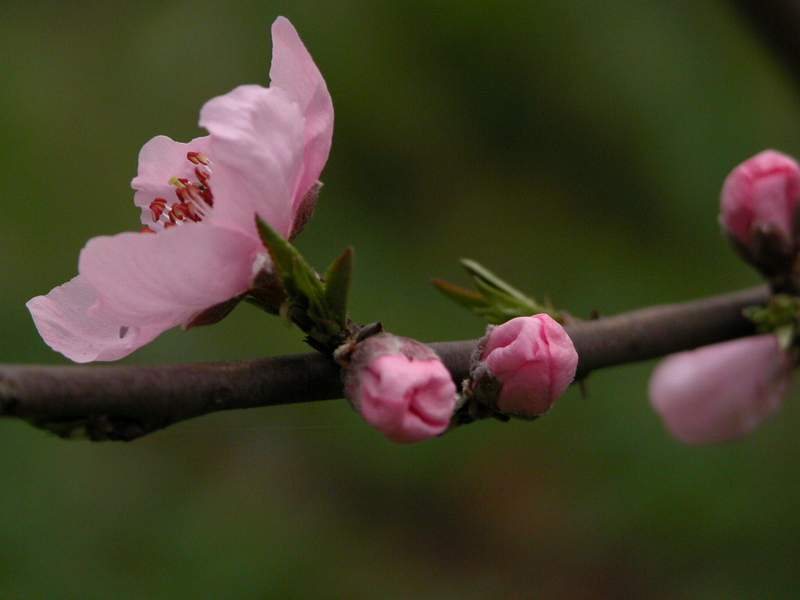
<point x="501" y="298"/>
<point x="337" y="286"/>
<point x="300" y="281"/>
<point x="494" y="300"/>
<point x="279" y="249"/>
<point x="780" y="316"/>
<point x="309" y="287"/>
<point x="484" y="276"/>
<point x="319" y="309"/>
<point x="459" y="295"/>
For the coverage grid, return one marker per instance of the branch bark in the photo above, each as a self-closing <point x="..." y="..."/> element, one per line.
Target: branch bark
<point x="777" y="22"/>
<point x="127" y="402"/>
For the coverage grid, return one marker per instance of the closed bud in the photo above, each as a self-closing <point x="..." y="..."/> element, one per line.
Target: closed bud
<point x="526" y="363"/>
<point x="400" y="387"/>
<point x="758" y="209"/>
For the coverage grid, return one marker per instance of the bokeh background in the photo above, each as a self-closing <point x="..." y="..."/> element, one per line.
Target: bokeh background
<point x="575" y="147"/>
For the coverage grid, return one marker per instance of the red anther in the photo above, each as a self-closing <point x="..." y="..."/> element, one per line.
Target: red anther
<point x="192" y="196"/>
<point x="178" y="212"/>
<point x="157" y="207"/>
<point x="146" y="229"/>
<point x="202" y="175"/>
<point x="197" y="158"/>
<point x="191" y="211"/>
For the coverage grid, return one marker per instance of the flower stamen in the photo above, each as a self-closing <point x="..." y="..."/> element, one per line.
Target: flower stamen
<point x="194" y="198"/>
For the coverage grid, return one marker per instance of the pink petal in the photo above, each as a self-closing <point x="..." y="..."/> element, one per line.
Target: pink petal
<point x="535" y="361"/>
<point x="171" y="276"/>
<point x="70" y="323"/>
<point x="257" y="147"/>
<point x="720" y="392"/>
<point x="513" y="344"/>
<point x="161" y="159"/>
<point x="407" y="400"/>
<point x="293" y="70"/>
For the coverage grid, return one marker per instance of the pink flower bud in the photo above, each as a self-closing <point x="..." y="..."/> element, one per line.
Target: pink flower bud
<point x="401" y="388"/>
<point x="533" y="359"/>
<point x="761" y="193"/>
<point x="720" y="392"/>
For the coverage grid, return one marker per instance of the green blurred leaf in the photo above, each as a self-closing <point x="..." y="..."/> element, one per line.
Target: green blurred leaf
<point x="337" y="285"/>
<point x="459" y="295"/>
<point x="484" y="278"/>
<point x="494" y="300"/>
<point x="781" y="316"/>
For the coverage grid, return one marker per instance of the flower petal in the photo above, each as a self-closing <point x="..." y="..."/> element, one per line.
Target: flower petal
<point x="70" y="322"/>
<point x="257" y="145"/>
<point x="161" y="159"/>
<point x="170" y="276"/>
<point x="720" y="392"/>
<point x="293" y="70"/>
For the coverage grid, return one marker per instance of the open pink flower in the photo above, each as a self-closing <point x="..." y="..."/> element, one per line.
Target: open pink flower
<point x="263" y="156"/>
<point x="720" y="392"/>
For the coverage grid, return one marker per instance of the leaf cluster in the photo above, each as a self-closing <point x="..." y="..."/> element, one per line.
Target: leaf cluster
<point x="780" y="316"/>
<point x="318" y="305"/>
<point x="493" y="299"/>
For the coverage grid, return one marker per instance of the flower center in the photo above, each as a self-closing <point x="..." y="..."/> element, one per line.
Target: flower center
<point x="193" y="198"/>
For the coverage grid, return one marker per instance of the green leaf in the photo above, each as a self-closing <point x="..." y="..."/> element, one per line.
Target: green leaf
<point x="493" y="300"/>
<point x="780" y="316"/>
<point x="459" y="295"/>
<point x="338" y="278"/>
<point x="485" y="278"/>
<point x="300" y="281"/>
<point x="319" y="309"/>
<point x="280" y="250"/>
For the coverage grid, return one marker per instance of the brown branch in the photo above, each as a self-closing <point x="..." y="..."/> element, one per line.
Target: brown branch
<point x="778" y="23"/>
<point x="127" y="402"/>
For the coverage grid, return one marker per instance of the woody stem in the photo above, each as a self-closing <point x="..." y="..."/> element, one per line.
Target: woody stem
<point x="127" y="402"/>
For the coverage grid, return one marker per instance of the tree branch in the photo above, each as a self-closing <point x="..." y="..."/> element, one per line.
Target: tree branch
<point x="777" y="21"/>
<point x="127" y="402"/>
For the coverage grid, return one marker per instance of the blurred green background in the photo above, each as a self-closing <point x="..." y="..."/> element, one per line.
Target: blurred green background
<point x="577" y="148"/>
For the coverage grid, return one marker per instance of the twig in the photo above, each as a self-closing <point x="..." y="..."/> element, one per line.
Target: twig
<point x="127" y="402"/>
<point x="777" y="21"/>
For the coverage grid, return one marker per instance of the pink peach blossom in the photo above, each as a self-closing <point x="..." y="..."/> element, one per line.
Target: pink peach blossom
<point x="263" y="156"/>
<point x="763" y="191"/>
<point x="533" y="359"/>
<point x="720" y="392"/>
<point x="401" y="388"/>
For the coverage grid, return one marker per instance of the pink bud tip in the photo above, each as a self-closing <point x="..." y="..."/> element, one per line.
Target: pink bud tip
<point x="406" y="399"/>
<point x="534" y="360"/>
<point x="400" y="387"/>
<point x="720" y="392"/>
<point x="763" y="191"/>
